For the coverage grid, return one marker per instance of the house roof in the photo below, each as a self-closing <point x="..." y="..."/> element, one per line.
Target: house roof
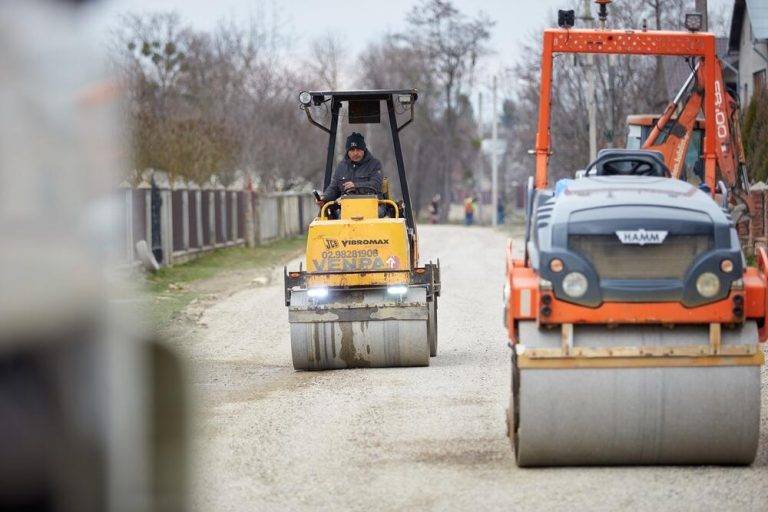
<point x="758" y="16"/>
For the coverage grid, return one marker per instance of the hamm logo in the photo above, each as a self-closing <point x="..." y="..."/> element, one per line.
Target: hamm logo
<point x="641" y="237"/>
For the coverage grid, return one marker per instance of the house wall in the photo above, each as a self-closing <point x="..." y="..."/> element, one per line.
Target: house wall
<point x="750" y="60"/>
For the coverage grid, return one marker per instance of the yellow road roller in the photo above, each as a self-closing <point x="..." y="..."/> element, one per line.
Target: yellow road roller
<point x="361" y="299"/>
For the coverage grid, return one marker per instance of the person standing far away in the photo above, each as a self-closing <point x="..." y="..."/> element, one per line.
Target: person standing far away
<point x="434" y="209"/>
<point x="500" y="211"/>
<point x="469" y="211"/>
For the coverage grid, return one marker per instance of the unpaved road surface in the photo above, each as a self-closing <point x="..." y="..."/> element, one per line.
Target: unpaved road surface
<point x="269" y="438"/>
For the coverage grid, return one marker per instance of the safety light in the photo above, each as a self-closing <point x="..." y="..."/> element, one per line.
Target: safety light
<point x="397" y="290"/>
<point x="575" y="284"/>
<point x="556" y="265"/>
<point x="404" y="99"/>
<point x="694" y="21"/>
<point x="566" y="19"/>
<point x="708" y="284"/>
<point x="305" y="98"/>
<point x="726" y="266"/>
<point x="318" y="293"/>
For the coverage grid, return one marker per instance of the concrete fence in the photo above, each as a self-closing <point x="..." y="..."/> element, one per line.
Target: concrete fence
<point x="182" y="220"/>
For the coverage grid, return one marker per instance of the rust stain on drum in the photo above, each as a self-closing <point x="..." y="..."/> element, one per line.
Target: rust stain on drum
<point x="316" y="338"/>
<point x="348" y="353"/>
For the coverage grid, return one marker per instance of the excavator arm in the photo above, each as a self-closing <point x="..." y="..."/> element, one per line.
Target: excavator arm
<point x="672" y="133"/>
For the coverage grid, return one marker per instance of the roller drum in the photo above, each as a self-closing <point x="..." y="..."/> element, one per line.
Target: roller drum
<point x="359" y="329"/>
<point x="432" y="327"/>
<point x="635" y="415"/>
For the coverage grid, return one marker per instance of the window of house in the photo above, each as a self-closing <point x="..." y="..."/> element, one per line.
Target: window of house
<point x="759" y="80"/>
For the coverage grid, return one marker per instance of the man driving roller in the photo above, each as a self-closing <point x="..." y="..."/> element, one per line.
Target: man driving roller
<point x="359" y="169"/>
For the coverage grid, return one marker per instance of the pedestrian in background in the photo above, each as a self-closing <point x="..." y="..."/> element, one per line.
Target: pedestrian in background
<point x="434" y="209"/>
<point x="469" y="211"/>
<point x="500" y="211"/>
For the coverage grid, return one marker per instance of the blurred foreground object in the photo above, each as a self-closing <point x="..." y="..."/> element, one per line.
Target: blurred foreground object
<point x="92" y="407"/>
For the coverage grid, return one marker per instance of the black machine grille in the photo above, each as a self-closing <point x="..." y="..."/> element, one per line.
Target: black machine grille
<point x="613" y="259"/>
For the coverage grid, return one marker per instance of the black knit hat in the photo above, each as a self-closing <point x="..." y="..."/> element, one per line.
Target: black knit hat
<point x="356" y="140"/>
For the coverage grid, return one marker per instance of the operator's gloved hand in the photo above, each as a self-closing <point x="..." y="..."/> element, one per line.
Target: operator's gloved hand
<point x="347" y="186"/>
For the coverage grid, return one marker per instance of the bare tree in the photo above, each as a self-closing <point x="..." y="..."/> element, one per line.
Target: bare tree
<point x="213" y="102"/>
<point x="327" y="54"/>
<point x="451" y="44"/>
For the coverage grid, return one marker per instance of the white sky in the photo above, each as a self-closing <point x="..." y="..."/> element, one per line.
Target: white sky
<point x="358" y="21"/>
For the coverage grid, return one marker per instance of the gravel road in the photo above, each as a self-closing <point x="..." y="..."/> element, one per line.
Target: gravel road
<point x="269" y="438"/>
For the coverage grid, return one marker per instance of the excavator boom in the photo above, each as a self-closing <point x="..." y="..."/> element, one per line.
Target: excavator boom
<point x="672" y="133"/>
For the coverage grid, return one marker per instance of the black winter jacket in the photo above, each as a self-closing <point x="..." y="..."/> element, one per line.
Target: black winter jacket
<point x="366" y="172"/>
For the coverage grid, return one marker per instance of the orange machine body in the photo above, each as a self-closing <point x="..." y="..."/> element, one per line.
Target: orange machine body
<point x="527" y="296"/>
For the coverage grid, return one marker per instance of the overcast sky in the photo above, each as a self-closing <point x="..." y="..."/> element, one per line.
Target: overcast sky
<point x="357" y="21"/>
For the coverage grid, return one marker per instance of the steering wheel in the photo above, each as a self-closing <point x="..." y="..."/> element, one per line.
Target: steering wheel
<point x="636" y="168"/>
<point x="361" y="190"/>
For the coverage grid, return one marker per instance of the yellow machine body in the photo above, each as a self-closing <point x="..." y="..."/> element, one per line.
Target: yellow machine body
<point x="357" y="244"/>
<point x="362" y="300"/>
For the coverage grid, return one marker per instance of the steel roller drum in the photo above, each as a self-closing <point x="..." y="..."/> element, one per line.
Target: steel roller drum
<point x="359" y="329"/>
<point x="637" y="415"/>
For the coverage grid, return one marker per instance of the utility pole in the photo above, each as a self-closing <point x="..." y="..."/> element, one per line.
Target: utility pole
<point x="701" y="7"/>
<point x="589" y="22"/>
<point x="612" y="99"/>
<point x="494" y="159"/>
<point x="479" y="171"/>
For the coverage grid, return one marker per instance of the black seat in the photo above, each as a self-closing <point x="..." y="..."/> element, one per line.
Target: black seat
<point x="628" y="162"/>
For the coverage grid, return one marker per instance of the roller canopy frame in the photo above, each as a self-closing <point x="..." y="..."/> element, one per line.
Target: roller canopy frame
<point x="388" y="95"/>
<point x="627" y="42"/>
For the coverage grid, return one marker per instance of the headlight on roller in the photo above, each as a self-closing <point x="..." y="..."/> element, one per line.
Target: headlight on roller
<point x="708" y="284"/>
<point x="575" y="284"/>
<point x="399" y="290"/>
<point x="318" y="293"/>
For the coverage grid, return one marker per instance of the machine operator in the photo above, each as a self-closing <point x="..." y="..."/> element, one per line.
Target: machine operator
<point x="358" y="169"/>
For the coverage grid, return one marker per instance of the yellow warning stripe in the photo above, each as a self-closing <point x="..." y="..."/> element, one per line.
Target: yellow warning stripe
<point x="567" y="350"/>
<point x="524" y="361"/>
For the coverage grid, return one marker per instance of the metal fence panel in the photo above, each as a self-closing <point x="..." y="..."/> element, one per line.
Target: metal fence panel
<point x="229" y="203"/>
<point x="291" y="215"/>
<point x="193" y="241"/>
<point x="177" y="219"/>
<point x="139" y="212"/>
<point x="218" y="217"/>
<point x="268" y="218"/>
<point x="309" y="211"/>
<point x="173" y="223"/>
<point x="206" y="211"/>
<point x="242" y="207"/>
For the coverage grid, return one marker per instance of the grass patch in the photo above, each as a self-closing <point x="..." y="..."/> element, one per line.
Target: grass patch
<point x="514" y="225"/>
<point x="167" y="286"/>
